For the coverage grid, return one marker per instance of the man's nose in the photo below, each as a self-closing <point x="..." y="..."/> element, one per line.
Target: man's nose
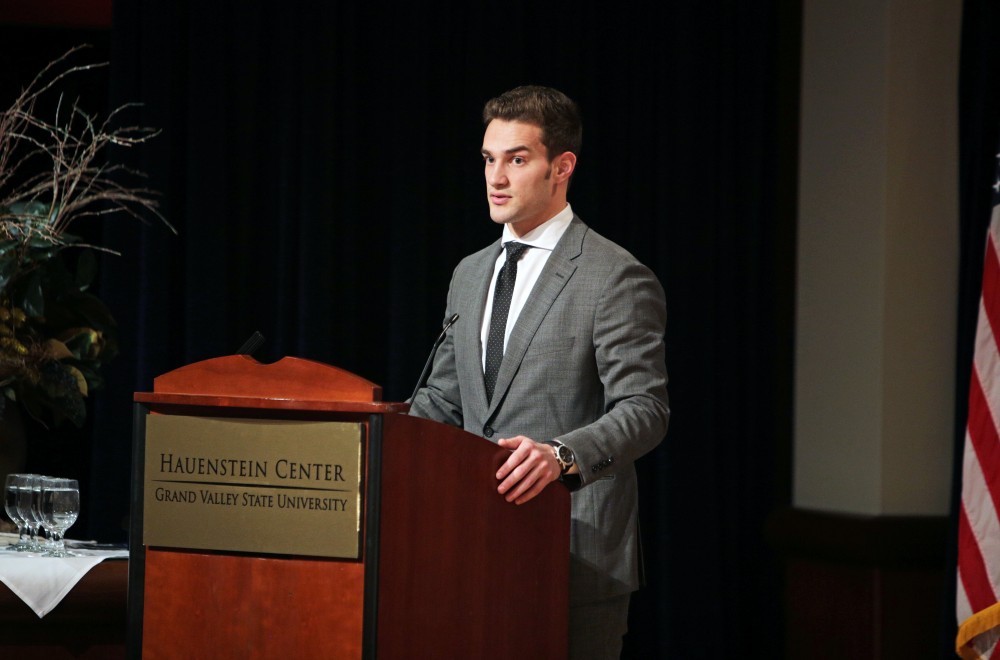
<point x="496" y="176"/>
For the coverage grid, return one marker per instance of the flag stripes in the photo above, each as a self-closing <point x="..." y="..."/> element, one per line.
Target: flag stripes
<point x="976" y="602"/>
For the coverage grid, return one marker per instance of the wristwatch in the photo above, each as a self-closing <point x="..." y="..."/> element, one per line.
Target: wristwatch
<point x="564" y="455"/>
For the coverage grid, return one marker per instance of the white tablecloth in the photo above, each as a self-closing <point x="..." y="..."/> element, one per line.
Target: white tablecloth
<point x="42" y="582"/>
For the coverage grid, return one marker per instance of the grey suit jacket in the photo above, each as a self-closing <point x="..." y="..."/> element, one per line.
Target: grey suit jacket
<point x="584" y="365"/>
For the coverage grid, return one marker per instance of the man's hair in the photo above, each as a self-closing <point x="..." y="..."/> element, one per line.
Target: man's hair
<point x="549" y="109"/>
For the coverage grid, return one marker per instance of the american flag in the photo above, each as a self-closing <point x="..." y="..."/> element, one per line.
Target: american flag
<point x="976" y="602"/>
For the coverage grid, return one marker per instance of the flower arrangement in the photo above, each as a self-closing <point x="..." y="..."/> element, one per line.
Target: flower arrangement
<point x="55" y="334"/>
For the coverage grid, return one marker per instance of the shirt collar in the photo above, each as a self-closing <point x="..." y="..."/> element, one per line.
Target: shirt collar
<point x="545" y="235"/>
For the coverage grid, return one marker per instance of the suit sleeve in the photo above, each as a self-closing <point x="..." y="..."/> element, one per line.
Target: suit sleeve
<point x="441" y="399"/>
<point x="629" y="327"/>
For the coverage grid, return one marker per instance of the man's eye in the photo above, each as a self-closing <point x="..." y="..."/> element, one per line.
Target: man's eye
<point x="518" y="160"/>
<point x="488" y="159"/>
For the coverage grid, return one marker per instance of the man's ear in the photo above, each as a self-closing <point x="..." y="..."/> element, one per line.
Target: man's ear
<point x="563" y="166"/>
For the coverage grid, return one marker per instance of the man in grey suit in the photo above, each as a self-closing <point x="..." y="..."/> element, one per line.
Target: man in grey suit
<point x="559" y="356"/>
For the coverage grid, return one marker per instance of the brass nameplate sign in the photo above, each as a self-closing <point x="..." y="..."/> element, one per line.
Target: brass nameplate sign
<point x="253" y="485"/>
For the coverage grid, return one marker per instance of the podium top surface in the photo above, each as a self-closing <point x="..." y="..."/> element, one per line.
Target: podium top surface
<point x="240" y="381"/>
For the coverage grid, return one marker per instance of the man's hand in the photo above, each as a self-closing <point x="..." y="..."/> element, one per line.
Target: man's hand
<point x="531" y="468"/>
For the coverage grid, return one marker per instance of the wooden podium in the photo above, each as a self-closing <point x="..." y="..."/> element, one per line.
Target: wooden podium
<point x="445" y="568"/>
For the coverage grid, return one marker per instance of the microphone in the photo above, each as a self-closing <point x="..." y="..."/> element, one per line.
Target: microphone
<point x="430" y="358"/>
<point x="255" y="341"/>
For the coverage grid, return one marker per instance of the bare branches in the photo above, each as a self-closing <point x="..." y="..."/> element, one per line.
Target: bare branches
<point x="73" y="181"/>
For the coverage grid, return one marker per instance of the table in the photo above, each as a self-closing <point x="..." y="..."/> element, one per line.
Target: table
<point x="89" y="623"/>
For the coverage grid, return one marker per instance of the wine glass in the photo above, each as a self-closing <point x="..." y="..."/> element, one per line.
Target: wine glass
<point x="28" y="494"/>
<point x="42" y="542"/>
<point x="60" y="506"/>
<point x="11" y="485"/>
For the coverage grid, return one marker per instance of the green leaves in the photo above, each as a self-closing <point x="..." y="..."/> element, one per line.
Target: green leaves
<point x="54" y="335"/>
<point x="33" y="300"/>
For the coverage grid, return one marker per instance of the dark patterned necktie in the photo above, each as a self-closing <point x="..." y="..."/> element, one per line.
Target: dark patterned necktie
<point x="498" y="321"/>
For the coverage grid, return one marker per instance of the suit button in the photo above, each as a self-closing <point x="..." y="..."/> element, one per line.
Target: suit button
<point x="488" y="432"/>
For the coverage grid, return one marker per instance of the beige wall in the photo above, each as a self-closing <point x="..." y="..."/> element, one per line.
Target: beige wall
<point x="877" y="256"/>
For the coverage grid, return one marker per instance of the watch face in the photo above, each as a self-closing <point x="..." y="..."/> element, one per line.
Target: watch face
<point x="565" y="454"/>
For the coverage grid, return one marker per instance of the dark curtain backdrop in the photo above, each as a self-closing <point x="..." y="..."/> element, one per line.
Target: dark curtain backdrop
<point x="979" y="146"/>
<point x="321" y="165"/>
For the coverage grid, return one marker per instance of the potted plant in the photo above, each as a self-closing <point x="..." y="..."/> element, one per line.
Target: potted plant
<point x="55" y="334"/>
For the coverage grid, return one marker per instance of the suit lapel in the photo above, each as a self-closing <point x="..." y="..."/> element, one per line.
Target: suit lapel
<point x="471" y="331"/>
<point x="553" y="278"/>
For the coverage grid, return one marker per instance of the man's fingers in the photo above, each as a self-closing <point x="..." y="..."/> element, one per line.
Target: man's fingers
<point x="531" y="494"/>
<point x="529" y="487"/>
<point x="521" y="451"/>
<point x="512" y="475"/>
